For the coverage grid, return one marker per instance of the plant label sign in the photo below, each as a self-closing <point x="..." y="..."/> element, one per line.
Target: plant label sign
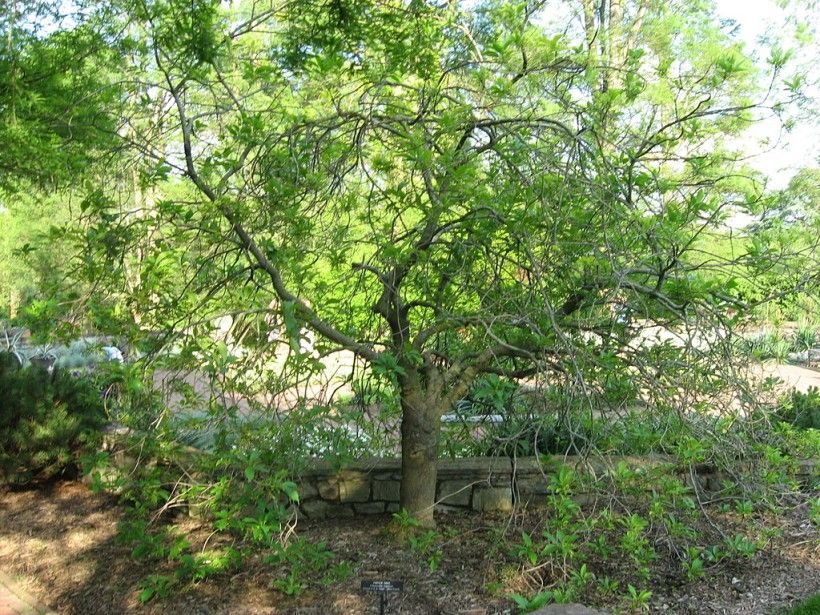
<point x="379" y="586"/>
<point x="382" y="587"/>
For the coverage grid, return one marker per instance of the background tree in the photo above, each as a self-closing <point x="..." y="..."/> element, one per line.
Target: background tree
<point x="59" y="108"/>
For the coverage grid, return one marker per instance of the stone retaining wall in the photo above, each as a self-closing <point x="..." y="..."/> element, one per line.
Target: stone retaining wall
<point x="372" y="486"/>
<point x="480" y="484"/>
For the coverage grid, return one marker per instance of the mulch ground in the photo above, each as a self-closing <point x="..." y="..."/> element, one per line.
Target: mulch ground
<point x="59" y="543"/>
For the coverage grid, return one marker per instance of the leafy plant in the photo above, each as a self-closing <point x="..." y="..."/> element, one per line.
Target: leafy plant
<point x="424" y="542"/>
<point x="241" y="492"/>
<point x="714" y="554"/>
<point x="805" y="337"/>
<point x="638" y="599"/>
<point x="693" y="566"/>
<point x="744" y="508"/>
<point x="607" y="586"/>
<point x="770" y="344"/>
<point x="740" y="545"/>
<point x="303" y="562"/>
<point x="47" y="421"/>
<point x="814" y="511"/>
<point x="636" y="546"/>
<point x="156" y="586"/>
<point x="802" y="409"/>
<point x="534" y="602"/>
<point x="527" y="550"/>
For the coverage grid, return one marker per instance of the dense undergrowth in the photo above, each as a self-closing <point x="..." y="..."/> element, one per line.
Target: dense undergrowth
<point x="594" y="537"/>
<point x="602" y="537"/>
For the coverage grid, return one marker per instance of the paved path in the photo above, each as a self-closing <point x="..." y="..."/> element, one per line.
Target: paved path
<point x="798" y="376"/>
<point x="15" y="601"/>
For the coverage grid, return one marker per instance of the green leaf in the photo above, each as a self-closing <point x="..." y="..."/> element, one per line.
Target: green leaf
<point x="520" y="600"/>
<point x="386" y="364"/>
<point x="291" y="491"/>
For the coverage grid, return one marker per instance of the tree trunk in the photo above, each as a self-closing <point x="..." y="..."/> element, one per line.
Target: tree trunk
<point x="420" y="424"/>
<point x="617" y="44"/>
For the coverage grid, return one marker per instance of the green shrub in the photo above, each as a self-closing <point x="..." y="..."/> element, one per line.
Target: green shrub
<point x="802" y="410"/>
<point x="805" y="338"/>
<point x="769" y="345"/>
<point x="46" y="421"/>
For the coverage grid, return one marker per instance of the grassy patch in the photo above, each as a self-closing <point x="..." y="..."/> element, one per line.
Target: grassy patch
<point x="809" y="607"/>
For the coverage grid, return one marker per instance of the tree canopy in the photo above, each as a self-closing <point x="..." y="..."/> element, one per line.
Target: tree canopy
<point x="446" y="190"/>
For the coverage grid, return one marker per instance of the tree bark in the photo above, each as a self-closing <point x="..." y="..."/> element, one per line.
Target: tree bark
<point x="420" y="426"/>
<point x="617" y="49"/>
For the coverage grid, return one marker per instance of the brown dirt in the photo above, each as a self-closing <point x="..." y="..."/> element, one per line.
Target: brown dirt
<point x="59" y="543"/>
<point x="782" y="575"/>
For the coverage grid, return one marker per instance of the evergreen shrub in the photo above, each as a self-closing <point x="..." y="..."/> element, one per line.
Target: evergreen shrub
<point x="803" y="409"/>
<point x="47" y="420"/>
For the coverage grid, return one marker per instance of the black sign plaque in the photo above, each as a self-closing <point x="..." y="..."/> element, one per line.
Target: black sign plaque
<point x="380" y="586"/>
